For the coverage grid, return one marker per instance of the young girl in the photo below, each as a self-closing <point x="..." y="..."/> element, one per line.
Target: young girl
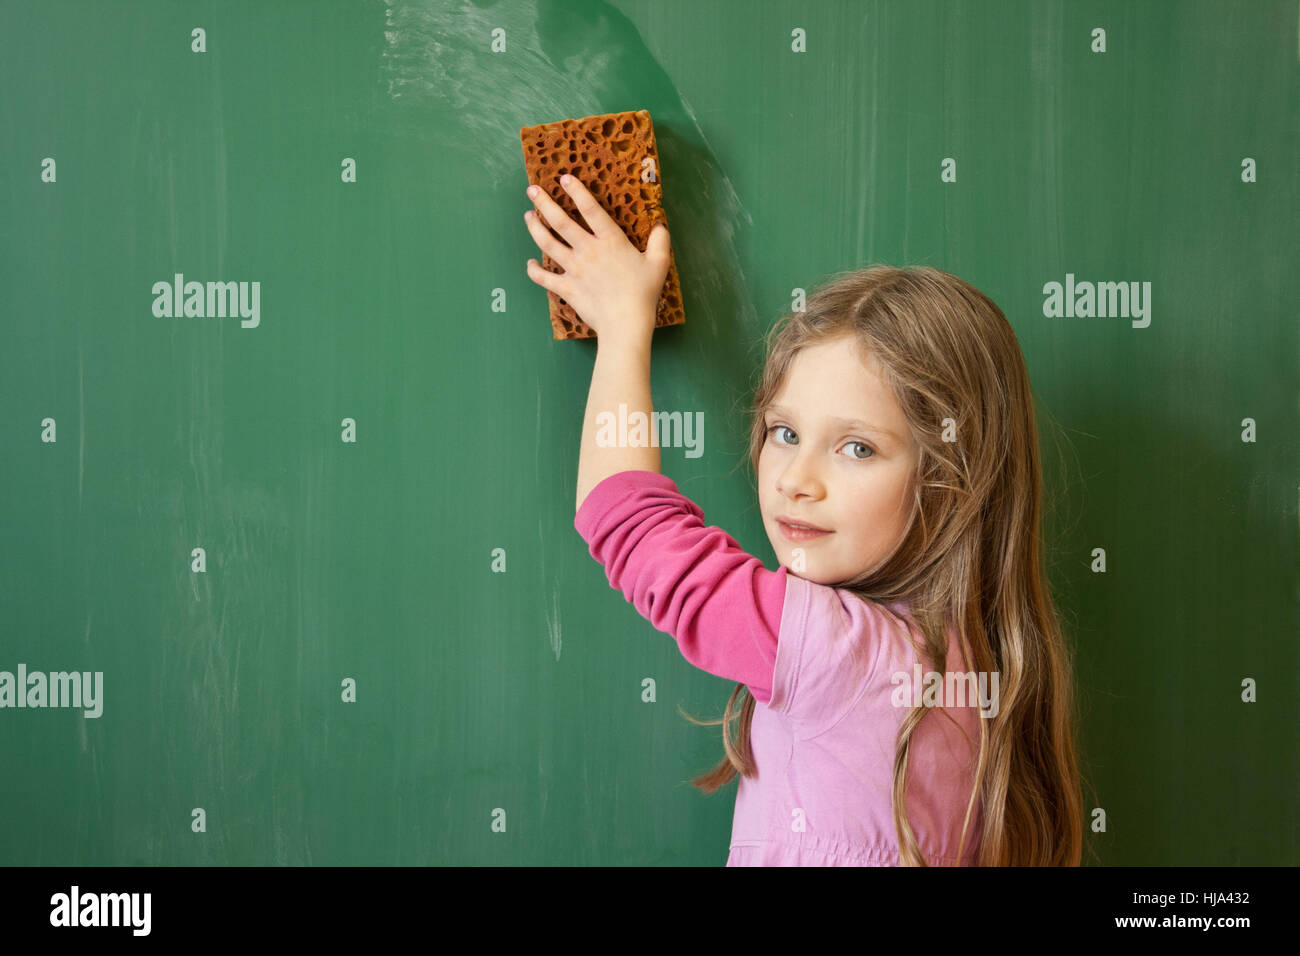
<point x="896" y="455"/>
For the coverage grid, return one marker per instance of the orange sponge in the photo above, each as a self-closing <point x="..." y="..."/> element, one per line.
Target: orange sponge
<point x="614" y="156"/>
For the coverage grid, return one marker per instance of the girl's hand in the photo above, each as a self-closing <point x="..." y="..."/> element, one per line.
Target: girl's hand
<point x="612" y="286"/>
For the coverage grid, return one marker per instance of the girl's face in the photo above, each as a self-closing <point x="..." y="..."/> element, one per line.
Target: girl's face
<point x="818" y="467"/>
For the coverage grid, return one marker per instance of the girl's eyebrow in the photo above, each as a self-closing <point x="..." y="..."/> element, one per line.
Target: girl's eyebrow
<point x="845" y="422"/>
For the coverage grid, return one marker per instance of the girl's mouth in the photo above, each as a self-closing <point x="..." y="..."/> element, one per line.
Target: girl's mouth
<point x="795" y="533"/>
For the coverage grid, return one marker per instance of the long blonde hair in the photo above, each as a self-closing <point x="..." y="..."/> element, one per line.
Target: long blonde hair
<point x="973" y="553"/>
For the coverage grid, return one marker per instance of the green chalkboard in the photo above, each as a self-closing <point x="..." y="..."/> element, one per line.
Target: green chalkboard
<point x="318" y="537"/>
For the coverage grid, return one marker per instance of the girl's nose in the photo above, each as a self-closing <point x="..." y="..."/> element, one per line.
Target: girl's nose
<point x="798" y="479"/>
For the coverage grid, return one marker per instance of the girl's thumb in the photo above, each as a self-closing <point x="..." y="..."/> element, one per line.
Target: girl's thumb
<point x="658" y="242"/>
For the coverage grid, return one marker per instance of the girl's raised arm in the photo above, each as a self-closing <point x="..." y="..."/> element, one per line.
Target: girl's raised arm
<point x="687" y="579"/>
<point x="615" y="288"/>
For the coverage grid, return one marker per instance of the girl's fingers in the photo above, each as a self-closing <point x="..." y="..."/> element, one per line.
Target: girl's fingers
<point x="548" y="280"/>
<point x="557" y="219"/>
<point x="592" y="212"/>
<point x="547" y="242"/>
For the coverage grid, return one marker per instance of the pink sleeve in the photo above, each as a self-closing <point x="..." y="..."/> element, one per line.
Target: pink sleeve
<point x="690" y="581"/>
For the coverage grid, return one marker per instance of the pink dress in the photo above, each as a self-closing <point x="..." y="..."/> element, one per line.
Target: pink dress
<point x="823" y="738"/>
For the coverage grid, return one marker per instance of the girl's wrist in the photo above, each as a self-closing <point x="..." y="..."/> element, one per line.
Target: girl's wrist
<point x="625" y="339"/>
<point x="627" y="325"/>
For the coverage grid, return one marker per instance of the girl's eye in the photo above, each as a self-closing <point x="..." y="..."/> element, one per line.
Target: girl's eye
<point x="776" y="428"/>
<point x="853" y="444"/>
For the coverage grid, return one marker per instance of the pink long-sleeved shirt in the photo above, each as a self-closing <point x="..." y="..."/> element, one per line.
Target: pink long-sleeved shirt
<point x="823" y="736"/>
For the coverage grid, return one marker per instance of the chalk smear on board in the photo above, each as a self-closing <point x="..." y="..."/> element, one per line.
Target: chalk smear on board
<point x="553" y="622"/>
<point x="558" y="65"/>
<point x="438" y="55"/>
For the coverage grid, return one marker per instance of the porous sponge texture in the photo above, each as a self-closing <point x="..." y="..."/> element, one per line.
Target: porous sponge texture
<point x="607" y="154"/>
